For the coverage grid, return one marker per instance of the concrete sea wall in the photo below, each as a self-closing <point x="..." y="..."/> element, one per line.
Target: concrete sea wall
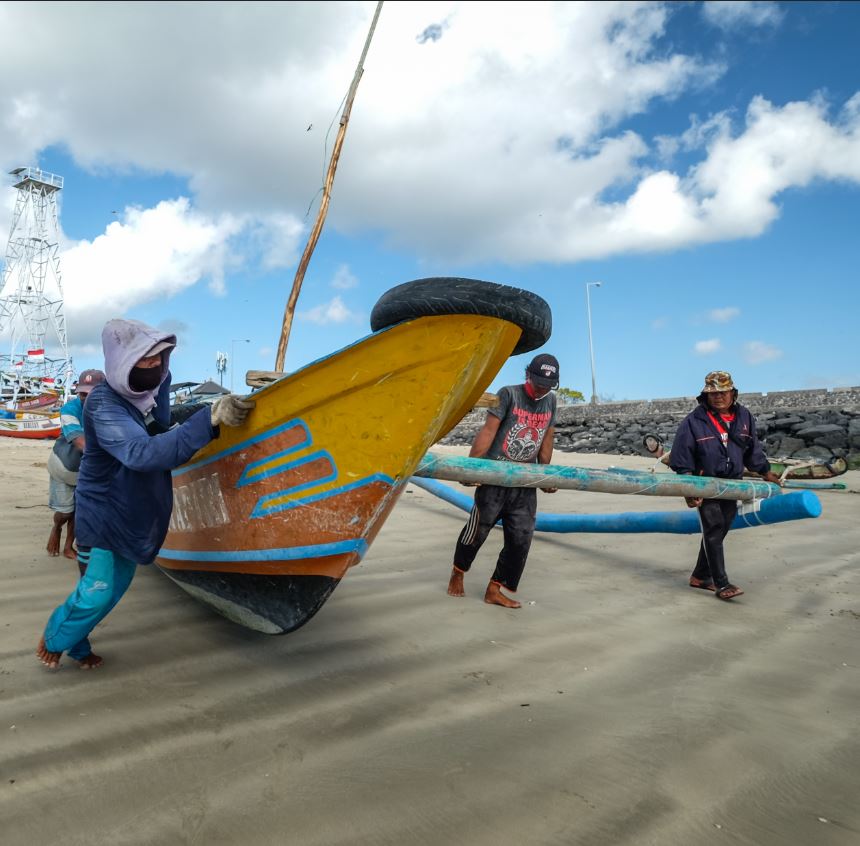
<point x="793" y="424"/>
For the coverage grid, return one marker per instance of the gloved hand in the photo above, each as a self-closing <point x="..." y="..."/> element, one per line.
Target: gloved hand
<point x="230" y="410"/>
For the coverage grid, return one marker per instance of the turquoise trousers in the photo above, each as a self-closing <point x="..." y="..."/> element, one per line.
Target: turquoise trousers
<point x="107" y="578"/>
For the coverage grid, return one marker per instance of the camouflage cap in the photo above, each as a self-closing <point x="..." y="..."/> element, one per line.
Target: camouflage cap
<point x="718" y="380"/>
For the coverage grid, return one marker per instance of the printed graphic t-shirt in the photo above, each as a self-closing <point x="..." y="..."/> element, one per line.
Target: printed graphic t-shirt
<point x="524" y="423"/>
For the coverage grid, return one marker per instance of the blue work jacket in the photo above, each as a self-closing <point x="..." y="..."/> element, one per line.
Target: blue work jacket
<point x="698" y="448"/>
<point x="125" y="493"/>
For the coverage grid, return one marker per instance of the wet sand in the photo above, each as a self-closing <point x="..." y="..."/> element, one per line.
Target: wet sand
<point x="618" y="706"/>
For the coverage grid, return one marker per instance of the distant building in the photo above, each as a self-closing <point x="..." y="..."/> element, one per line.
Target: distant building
<point x="186" y="392"/>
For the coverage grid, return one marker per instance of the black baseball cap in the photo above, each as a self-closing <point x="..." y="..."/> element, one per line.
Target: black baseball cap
<point x="543" y="370"/>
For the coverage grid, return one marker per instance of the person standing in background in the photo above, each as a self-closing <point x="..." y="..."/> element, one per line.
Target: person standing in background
<point x="718" y="438"/>
<point x="64" y="464"/>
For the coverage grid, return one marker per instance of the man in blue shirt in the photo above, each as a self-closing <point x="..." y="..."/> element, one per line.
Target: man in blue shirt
<point x="64" y="464"/>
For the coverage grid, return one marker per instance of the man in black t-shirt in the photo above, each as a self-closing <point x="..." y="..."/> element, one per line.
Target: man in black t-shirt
<point x="520" y="428"/>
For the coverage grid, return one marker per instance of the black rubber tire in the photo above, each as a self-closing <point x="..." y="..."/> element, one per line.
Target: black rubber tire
<point x="452" y="295"/>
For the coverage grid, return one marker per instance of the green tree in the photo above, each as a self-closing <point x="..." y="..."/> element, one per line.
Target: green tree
<point x="567" y="396"/>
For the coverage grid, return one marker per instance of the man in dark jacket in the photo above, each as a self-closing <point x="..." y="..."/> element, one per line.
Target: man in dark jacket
<point x="717" y="439"/>
<point x="125" y="495"/>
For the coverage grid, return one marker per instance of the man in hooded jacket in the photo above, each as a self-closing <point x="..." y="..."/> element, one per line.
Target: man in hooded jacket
<point x="718" y="438"/>
<point x="124" y="495"/>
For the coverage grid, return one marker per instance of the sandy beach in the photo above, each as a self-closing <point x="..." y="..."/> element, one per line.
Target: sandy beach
<point x="618" y="706"/>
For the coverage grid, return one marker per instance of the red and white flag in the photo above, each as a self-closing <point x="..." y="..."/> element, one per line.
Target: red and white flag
<point x="36" y="355"/>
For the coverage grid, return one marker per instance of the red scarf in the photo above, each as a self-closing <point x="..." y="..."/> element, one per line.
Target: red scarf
<point x="721" y="424"/>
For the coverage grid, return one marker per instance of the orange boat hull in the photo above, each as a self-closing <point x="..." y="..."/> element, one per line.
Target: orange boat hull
<point x="269" y="518"/>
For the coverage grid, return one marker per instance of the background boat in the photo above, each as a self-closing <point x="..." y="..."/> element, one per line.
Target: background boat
<point x="25" y="425"/>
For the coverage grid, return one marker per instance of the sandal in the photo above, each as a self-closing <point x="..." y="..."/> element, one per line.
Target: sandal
<point x="729" y="592"/>
<point x="701" y="583"/>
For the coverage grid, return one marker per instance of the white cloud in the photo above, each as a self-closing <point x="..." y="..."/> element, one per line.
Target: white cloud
<point x="333" y="311"/>
<point x="723" y="315"/>
<point x="732" y="193"/>
<point x="150" y="253"/>
<point x="230" y="111"/>
<point x="528" y="110"/>
<point x="695" y="137"/>
<point x="758" y="352"/>
<point x="344" y="278"/>
<point x="712" y="345"/>
<point x="732" y="14"/>
<point x="659" y="323"/>
<point x="277" y="237"/>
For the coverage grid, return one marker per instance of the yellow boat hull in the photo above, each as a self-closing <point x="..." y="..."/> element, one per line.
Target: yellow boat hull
<point x="270" y="516"/>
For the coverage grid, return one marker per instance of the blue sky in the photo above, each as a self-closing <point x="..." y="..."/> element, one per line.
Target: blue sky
<point x="701" y="160"/>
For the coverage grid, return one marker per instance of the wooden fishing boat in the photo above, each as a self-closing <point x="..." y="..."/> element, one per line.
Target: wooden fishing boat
<point x="43" y="401"/>
<point x="31" y="426"/>
<point x="268" y="518"/>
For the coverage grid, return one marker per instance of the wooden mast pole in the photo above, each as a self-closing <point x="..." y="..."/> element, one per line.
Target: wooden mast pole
<point x="326" y="198"/>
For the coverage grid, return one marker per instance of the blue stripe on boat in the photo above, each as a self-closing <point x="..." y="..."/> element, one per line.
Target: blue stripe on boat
<point x="261" y="510"/>
<point x="247" y="479"/>
<point x="255" y="440"/>
<point x="289" y="553"/>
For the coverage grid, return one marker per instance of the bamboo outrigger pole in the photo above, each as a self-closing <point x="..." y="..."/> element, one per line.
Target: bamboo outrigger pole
<point x="326" y="197"/>
<point x="512" y="474"/>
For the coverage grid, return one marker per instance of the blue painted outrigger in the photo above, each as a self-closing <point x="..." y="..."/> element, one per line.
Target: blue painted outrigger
<point x="762" y="502"/>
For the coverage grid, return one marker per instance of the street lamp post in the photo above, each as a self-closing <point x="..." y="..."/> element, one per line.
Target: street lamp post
<point x="590" y="341"/>
<point x="233" y="356"/>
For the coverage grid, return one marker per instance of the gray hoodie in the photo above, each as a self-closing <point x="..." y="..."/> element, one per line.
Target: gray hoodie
<point x="125" y="342"/>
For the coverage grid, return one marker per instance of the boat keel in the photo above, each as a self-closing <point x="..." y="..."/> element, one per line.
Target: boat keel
<point x="268" y="604"/>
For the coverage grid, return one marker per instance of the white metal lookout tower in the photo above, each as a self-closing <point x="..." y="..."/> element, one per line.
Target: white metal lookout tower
<point x="31" y="293"/>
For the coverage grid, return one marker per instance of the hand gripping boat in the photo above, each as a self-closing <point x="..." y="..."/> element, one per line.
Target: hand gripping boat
<point x="268" y="518"/>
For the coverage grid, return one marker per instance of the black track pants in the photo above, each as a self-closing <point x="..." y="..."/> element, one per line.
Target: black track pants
<point x="516" y="508"/>
<point x="716" y="517"/>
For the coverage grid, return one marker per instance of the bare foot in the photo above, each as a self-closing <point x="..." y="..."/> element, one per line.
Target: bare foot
<point x="455" y="584"/>
<point x="49" y="659"/>
<point x="70" y="554"/>
<point x="494" y="596"/>
<point x="53" y="546"/>
<point x="91" y="662"/>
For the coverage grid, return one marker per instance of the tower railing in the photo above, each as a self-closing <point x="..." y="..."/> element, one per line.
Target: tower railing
<point x="35" y="174"/>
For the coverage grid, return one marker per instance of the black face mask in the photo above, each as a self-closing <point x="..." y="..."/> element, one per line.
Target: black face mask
<point x="144" y="378"/>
